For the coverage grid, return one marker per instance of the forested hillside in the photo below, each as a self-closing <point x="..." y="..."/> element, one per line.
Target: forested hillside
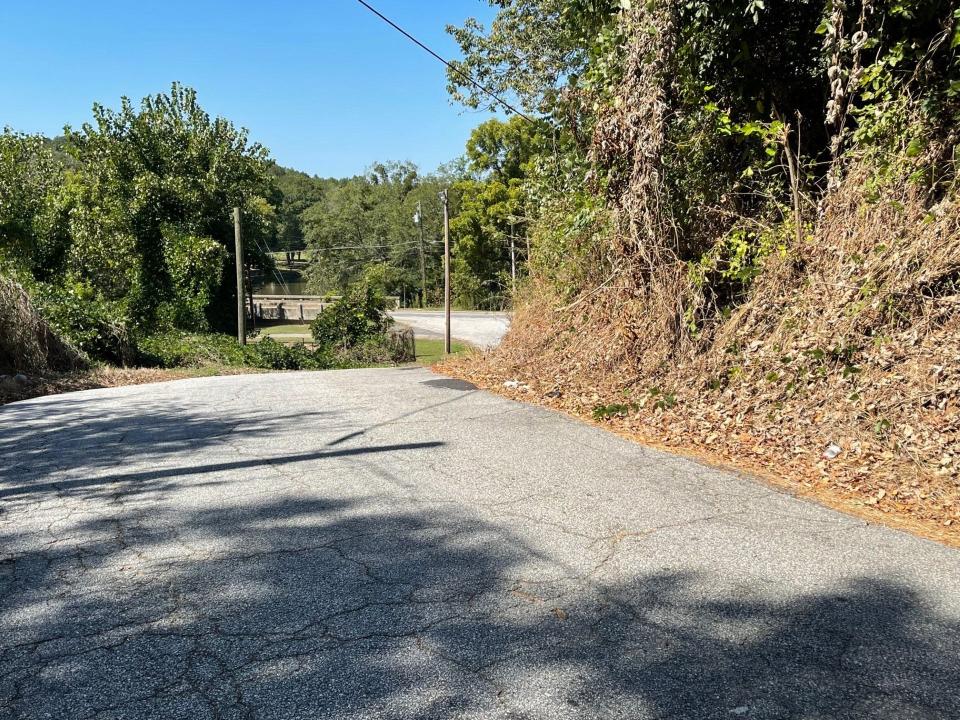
<point x="745" y="232"/>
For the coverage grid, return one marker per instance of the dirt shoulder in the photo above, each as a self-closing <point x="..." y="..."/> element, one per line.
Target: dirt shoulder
<point x="810" y="476"/>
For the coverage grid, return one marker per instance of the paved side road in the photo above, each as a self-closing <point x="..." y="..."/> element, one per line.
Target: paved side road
<point x="483" y="329"/>
<point x="392" y="544"/>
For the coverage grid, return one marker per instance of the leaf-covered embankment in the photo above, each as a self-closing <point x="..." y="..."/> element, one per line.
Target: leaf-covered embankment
<point x="854" y="344"/>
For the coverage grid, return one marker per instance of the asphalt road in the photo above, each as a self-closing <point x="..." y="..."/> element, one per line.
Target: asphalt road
<point x="483" y="329"/>
<point x="392" y="544"/>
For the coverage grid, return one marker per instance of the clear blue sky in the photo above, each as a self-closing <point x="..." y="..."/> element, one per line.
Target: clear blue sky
<point x="324" y="84"/>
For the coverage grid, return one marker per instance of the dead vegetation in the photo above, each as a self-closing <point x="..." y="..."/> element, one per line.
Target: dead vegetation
<point x="852" y="340"/>
<point x="27" y="344"/>
<point x="106" y="377"/>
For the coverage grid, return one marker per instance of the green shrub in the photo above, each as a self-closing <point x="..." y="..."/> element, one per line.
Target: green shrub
<point x="358" y="317"/>
<point x="90" y="323"/>
<point x="380" y="350"/>
<point x="195" y="265"/>
<point x="271" y="355"/>
<point x="176" y="349"/>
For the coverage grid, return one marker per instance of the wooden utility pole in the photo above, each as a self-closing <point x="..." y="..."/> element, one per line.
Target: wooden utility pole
<point x="238" y="249"/>
<point x="513" y="261"/>
<point x="423" y="262"/>
<point x="249" y="277"/>
<point x="446" y="269"/>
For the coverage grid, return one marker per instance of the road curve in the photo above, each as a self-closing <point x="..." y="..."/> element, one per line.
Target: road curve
<point x="393" y="544"/>
<point x="480" y="328"/>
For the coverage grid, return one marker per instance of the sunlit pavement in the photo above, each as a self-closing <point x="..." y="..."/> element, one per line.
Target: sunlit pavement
<point x="479" y="328"/>
<point x="392" y="544"/>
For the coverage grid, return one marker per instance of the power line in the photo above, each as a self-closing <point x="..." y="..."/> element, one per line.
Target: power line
<point x="450" y="65"/>
<point x="369" y="247"/>
<point x="397" y="246"/>
<point x="265" y="249"/>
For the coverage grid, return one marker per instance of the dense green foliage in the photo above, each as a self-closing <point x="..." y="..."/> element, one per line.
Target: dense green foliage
<point x="150" y="219"/>
<point x="357" y="317"/>
<point x="122" y="228"/>
<point x="533" y="51"/>
<point x="490" y="228"/>
<point x="701" y="125"/>
<point x="76" y="312"/>
<point x="299" y="192"/>
<point x="365" y="229"/>
<point x="177" y="349"/>
<point x="33" y="212"/>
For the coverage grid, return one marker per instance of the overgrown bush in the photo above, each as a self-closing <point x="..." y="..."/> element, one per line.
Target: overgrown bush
<point x="27" y="342"/>
<point x="142" y="215"/>
<point x="196" y="266"/>
<point x="271" y="355"/>
<point x="85" y="319"/>
<point x="176" y="349"/>
<point x="380" y="350"/>
<point x="358" y="317"/>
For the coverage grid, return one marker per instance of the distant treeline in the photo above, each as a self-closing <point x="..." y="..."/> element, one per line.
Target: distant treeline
<point x="368" y="228"/>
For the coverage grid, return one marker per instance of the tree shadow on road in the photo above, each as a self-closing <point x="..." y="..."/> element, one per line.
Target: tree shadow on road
<point x="129" y="483"/>
<point x="349" y="607"/>
<point x="63" y="445"/>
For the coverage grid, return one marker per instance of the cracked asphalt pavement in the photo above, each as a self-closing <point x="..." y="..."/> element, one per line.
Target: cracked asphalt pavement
<point x="392" y="544"/>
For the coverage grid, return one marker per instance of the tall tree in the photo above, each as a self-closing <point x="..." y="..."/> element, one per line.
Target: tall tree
<point x="151" y="223"/>
<point x="490" y="229"/>
<point x="299" y="191"/>
<point x="532" y="50"/>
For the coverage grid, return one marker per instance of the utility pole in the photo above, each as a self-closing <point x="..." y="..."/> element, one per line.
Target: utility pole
<point x="418" y="219"/>
<point x="513" y="261"/>
<point x="253" y="315"/>
<point x="446" y="269"/>
<point x="238" y="249"/>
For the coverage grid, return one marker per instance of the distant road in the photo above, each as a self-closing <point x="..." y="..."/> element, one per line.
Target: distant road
<point x="483" y="329"/>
